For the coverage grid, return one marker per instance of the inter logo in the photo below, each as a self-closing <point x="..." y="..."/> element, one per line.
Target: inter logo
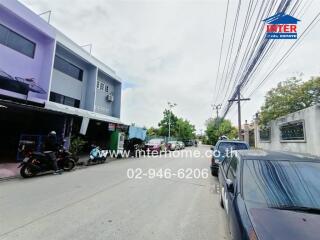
<point x="281" y="26"/>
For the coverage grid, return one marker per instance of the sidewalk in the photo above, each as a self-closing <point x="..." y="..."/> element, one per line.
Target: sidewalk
<point x="9" y="170"/>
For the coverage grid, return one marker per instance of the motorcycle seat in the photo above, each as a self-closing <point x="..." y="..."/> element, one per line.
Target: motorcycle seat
<point x="40" y="154"/>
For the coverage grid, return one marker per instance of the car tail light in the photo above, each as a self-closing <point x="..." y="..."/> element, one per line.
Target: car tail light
<point x="252" y="235"/>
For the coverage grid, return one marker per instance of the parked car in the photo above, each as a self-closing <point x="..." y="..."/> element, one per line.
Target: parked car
<point x="156" y="145"/>
<point x="221" y="149"/>
<point x="181" y="145"/>
<point x="271" y="195"/>
<point x="173" y="145"/>
<point x="188" y="143"/>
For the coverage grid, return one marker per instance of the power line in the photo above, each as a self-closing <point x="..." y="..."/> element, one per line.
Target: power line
<point x="315" y="20"/>
<point x="229" y="51"/>
<point x="255" y="60"/>
<point x="221" y="47"/>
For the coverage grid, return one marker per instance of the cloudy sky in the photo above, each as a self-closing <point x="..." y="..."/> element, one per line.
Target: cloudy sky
<point x="168" y="50"/>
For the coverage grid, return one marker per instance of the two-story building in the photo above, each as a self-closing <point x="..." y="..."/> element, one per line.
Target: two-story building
<point x="48" y="82"/>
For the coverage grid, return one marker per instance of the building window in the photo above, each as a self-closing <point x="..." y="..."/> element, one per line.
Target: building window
<point x="292" y="131"/>
<point x="265" y="134"/>
<point x="16" y="42"/>
<point x="102" y="86"/>
<point x="68" y="68"/>
<point x="58" y="98"/>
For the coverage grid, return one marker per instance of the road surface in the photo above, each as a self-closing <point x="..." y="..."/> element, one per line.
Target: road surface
<point x="101" y="202"/>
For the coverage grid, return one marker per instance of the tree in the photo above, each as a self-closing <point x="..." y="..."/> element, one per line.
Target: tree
<point x="152" y="131"/>
<point x="164" y="123"/>
<point x="184" y="130"/>
<point x="217" y="127"/>
<point x="180" y="128"/>
<point x="289" y="96"/>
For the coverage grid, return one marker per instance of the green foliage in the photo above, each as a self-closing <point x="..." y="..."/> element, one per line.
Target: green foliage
<point x="152" y="131"/>
<point x="289" y="96"/>
<point x="179" y="128"/>
<point x="218" y="127"/>
<point x="76" y="145"/>
<point x="164" y="124"/>
<point x="184" y="130"/>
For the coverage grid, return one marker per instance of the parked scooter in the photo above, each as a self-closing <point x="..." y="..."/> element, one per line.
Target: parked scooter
<point x="96" y="156"/>
<point x="38" y="162"/>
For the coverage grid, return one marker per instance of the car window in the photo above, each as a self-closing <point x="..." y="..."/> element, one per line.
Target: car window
<point x="224" y="146"/>
<point x="154" y="141"/>
<point x="282" y="183"/>
<point x="225" y="164"/>
<point x="233" y="168"/>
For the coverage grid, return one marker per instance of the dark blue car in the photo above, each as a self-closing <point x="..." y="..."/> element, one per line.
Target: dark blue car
<point x="271" y="195"/>
<point x="221" y="150"/>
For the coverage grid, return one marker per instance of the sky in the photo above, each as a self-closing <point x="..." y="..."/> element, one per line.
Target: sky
<point x="168" y="51"/>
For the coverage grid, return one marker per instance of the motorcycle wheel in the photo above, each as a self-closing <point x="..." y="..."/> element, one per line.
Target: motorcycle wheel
<point x="68" y="165"/>
<point x="26" y="172"/>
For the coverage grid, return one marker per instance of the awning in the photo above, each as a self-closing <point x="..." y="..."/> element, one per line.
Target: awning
<point x="136" y="132"/>
<point x="80" y="112"/>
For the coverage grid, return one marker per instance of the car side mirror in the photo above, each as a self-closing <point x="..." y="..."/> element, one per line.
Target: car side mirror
<point x="230" y="186"/>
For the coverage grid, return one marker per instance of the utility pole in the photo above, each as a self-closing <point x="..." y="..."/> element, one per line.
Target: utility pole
<point x="239" y="99"/>
<point x="216" y="107"/>
<point x="171" y="105"/>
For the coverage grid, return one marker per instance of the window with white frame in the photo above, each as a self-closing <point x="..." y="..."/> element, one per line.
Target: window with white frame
<point x="102" y="85"/>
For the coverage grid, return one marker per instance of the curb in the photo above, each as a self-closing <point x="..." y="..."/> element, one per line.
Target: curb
<point x="77" y="167"/>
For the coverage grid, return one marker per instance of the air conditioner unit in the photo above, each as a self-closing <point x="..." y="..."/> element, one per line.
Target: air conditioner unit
<point x="109" y="98"/>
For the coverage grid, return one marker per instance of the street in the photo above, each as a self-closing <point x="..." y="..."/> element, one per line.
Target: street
<point x="101" y="202"/>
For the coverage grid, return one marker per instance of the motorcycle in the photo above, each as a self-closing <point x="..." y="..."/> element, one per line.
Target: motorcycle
<point x="96" y="156"/>
<point x="38" y="162"/>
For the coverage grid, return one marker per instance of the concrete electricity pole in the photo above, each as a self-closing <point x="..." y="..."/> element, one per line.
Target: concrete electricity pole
<point x="239" y="99"/>
<point x="170" y="105"/>
<point x="216" y="107"/>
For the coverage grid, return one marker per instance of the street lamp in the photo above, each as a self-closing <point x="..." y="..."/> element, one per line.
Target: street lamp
<point x="170" y="105"/>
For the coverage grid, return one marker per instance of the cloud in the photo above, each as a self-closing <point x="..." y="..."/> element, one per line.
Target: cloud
<point x="165" y="50"/>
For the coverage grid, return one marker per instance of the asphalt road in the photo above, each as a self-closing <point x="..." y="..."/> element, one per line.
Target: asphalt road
<point x="101" y="202"/>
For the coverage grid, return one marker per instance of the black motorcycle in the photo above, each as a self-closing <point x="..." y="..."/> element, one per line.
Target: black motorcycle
<point x="38" y="162"/>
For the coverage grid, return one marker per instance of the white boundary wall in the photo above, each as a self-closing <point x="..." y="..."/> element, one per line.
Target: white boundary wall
<point x="311" y="143"/>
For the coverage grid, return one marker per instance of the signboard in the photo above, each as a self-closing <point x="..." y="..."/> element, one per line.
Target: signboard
<point x="111" y="127"/>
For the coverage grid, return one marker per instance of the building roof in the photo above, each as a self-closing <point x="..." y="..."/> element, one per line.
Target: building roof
<point x="275" y="155"/>
<point x="281" y="18"/>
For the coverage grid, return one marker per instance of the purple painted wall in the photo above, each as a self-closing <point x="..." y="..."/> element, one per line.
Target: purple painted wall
<point x="32" y="27"/>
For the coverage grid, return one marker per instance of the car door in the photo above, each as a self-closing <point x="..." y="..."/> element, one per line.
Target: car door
<point x="222" y="179"/>
<point x="230" y="197"/>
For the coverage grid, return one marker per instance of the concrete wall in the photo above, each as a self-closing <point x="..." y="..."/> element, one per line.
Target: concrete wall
<point x="103" y="106"/>
<point x="49" y="42"/>
<point x="64" y="84"/>
<point x="19" y="65"/>
<point x="310" y="116"/>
